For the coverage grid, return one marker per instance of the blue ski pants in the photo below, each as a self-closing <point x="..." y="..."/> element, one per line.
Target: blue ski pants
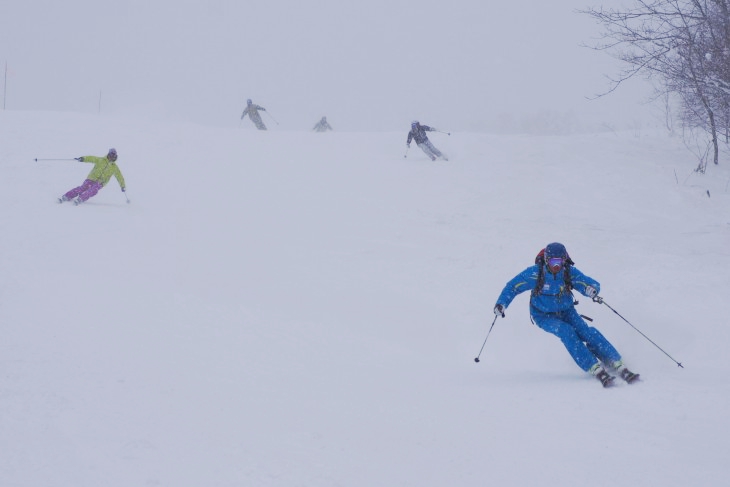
<point x="584" y="343"/>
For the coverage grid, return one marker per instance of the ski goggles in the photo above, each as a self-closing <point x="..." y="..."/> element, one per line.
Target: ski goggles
<point x="555" y="263"/>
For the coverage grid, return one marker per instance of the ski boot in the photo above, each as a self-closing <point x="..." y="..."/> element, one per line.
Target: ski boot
<point x="628" y="376"/>
<point x="605" y="378"/>
<point x="625" y="373"/>
<point x="600" y="373"/>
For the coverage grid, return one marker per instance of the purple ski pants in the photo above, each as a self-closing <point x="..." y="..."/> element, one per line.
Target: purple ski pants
<point x="88" y="189"/>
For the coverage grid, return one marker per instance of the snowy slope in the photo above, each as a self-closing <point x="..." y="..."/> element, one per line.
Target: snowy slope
<point x="290" y="308"/>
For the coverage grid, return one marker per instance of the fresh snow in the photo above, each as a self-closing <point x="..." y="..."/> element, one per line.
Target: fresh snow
<point x="288" y="308"/>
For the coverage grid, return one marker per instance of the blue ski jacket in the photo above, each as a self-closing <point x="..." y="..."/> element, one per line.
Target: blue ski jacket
<point x="553" y="297"/>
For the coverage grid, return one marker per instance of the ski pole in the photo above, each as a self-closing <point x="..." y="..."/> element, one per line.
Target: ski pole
<point x="476" y="359"/>
<point x="125" y="195"/>
<point x="600" y="300"/>
<point x="69" y="159"/>
<point x="406" y="154"/>
<point x="272" y="117"/>
<point x="442" y="132"/>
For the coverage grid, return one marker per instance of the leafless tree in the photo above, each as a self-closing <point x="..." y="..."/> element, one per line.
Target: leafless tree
<point x="683" y="46"/>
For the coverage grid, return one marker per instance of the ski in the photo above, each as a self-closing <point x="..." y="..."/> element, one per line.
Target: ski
<point x="606" y="379"/>
<point x="629" y="376"/>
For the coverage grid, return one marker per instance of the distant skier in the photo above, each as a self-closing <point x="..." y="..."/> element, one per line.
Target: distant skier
<point x="418" y="133"/>
<point x="252" y="110"/>
<point x="322" y="125"/>
<point x="552" y="308"/>
<point x="104" y="169"/>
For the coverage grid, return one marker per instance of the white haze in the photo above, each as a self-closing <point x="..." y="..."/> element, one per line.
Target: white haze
<point x="297" y="309"/>
<point x="373" y="66"/>
<point x="288" y="308"/>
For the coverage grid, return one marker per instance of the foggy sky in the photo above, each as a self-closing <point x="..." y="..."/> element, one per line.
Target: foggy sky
<point x="367" y="65"/>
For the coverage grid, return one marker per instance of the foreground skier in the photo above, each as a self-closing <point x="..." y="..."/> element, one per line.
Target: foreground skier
<point x="551" y="281"/>
<point x="104" y="169"/>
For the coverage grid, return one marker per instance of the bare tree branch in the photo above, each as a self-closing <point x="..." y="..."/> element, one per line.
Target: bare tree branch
<point x="683" y="46"/>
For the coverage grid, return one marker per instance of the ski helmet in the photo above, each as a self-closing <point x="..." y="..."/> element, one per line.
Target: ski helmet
<point x="414" y="124"/>
<point x="112" y="154"/>
<point x="248" y="102"/>
<point x="555" y="256"/>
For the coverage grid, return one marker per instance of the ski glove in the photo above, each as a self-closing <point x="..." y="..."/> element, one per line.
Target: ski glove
<point x="499" y="310"/>
<point x="80" y="159"/>
<point x="124" y="189"/>
<point x="591" y="292"/>
<point x="408" y="145"/>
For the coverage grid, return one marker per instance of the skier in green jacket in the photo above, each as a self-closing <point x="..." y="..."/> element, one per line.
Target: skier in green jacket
<point x="104" y="169"/>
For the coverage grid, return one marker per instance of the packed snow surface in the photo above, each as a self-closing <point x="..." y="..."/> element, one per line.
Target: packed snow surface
<point x="287" y="308"/>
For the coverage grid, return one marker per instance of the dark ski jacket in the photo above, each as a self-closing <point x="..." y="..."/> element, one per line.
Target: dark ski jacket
<point x="419" y="134"/>
<point x="252" y="111"/>
<point x="322" y="126"/>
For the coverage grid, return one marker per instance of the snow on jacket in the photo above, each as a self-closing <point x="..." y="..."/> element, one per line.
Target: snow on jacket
<point x="419" y="134"/>
<point x="553" y="297"/>
<point x="103" y="170"/>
